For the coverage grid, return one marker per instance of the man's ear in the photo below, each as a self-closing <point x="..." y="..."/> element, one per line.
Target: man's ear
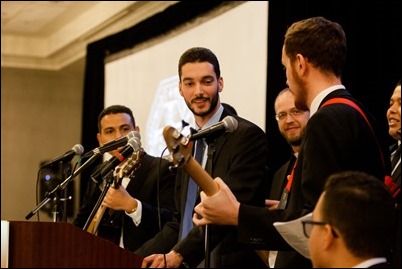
<point x="301" y="64"/>
<point x="328" y="237"/>
<point x="99" y="137"/>
<point x="220" y="84"/>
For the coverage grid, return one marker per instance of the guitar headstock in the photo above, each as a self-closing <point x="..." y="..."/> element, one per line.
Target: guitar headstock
<point x="180" y="146"/>
<point x="128" y="166"/>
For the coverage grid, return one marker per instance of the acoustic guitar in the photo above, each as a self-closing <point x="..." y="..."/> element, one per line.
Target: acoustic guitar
<point x="124" y="169"/>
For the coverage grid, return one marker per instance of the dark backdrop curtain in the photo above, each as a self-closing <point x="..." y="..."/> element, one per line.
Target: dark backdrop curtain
<point x="373" y="64"/>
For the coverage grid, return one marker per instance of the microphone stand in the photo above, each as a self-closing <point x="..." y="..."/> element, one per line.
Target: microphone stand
<point x="58" y="213"/>
<point x="208" y="168"/>
<point x="56" y="208"/>
<point x="52" y="194"/>
<point x="65" y="172"/>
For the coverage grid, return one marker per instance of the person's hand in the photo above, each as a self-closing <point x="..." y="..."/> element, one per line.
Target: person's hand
<point x="118" y="199"/>
<point x="220" y="208"/>
<point x="271" y="204"/>
<point x="173" y="260"/>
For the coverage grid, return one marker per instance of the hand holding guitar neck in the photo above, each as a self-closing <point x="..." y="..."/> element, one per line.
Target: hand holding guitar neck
<point x="124" y="169"/>
<point x="181" y="149"/>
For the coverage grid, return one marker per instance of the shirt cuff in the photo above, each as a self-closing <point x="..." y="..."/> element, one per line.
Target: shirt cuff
<point x="136" y="215"/>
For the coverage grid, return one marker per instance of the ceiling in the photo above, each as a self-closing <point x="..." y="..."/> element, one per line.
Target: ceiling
<point x="50" y="35"/>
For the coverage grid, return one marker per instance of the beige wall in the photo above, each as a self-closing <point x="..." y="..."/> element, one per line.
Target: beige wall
<point x="41" y="114"/>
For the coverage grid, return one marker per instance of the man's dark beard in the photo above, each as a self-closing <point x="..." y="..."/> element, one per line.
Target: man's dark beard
<point x="214" y="102"/>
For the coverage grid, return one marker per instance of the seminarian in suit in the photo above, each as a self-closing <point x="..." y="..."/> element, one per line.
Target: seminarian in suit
<point x="396" y="176"/>
<point x="337" y="137"/>
<point x="240" y="158"/>
<point x="146" y="184"/>
<point x="394" y="130"/>
<point x="291" y="125"/>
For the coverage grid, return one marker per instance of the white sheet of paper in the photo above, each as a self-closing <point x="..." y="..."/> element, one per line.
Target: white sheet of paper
<point x="292" y="232"/>
<point x="5" y="229"/>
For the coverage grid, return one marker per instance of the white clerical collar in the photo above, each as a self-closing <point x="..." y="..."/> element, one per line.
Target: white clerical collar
<point x="318" y="99"/>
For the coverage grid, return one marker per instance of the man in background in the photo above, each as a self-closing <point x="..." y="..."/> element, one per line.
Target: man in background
<point x="394" y="130"/>
<point x="291" y="124"/>
<point x="132" y="217"/>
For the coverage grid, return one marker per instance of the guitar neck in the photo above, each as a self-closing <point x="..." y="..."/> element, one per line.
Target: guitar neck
<point x="123" y="170"/>
<point x="201" y="177"/>
<point x="93" y="226"/>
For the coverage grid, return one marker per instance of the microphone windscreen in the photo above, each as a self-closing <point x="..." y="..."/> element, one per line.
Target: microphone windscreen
<point x="78" y="149"/>
<point x="230" y="123"/>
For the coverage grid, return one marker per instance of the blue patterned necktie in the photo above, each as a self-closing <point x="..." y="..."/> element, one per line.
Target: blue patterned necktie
<point x="192" y="193"/>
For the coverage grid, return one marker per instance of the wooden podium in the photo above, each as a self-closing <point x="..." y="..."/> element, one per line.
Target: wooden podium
<point x="60" y="244"/>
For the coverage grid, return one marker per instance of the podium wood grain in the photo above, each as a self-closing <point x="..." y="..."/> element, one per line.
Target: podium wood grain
<point x="58" y="245"/>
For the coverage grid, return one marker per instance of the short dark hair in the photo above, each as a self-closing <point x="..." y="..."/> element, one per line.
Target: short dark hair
<point x="198" y="55"/>
<point x="321" y="41"/>
<point x="115" y="109"/>
<point x="361" y="208"/>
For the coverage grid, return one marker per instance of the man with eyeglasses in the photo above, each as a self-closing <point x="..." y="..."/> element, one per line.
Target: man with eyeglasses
<point x="353" y="223"/>
<point x="291" y="125"/>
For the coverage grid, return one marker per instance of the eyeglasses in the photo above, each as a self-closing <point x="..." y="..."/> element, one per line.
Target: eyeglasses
<point x="293" y="112"/>
<point x="308" y="226"/>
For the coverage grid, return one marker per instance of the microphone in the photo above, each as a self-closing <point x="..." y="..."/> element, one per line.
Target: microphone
<point x="229" y="124"/>
<point x="111" y="145"/>
<point x="66" y="157"/>
<point x="133" y="144"/>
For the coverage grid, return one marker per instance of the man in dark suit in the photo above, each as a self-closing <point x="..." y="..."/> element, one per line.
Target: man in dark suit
<point x="394" y="130"/>
<point x="240" y="157"/>
<point x="291" y="125"/>
<point x="132" y="217"/>
<point x="337" y="138"/>
<point x="342" y="232"/>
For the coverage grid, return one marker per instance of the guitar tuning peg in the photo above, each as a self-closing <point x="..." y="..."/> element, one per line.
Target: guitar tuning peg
<point x="185" y="140"/>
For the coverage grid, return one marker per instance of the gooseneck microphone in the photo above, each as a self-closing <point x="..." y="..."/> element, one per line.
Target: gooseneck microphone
<point x="112" y="145"/>
<point x="66" y="157"/>
<point x="229" y="124"/>
<point x="133" y="145"/>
